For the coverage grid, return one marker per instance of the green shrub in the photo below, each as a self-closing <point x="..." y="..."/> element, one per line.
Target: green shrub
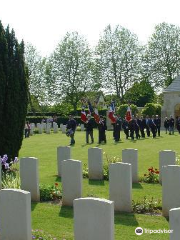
<point x="50" y="192"/>
<point x="152" y="176"/>
<point x="152" y="109"/>
<point x="147" y="206"/>
<point x="123" y="109"/>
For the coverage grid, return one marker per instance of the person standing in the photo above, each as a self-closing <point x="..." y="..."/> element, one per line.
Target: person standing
<point x="178" y="124"/>
<point x="152" y="126"/>
<point x="171" y="125"/>
<point x="89" y="129"/>
<point x="132" y="124"/>
<point x="71" y="127"/>
<point x="157" y="121"/>
<point x="166" y="124"/>
<point x="102" y="130"/>
<point x="117" y="130"/>
<point x="125" y="126"/>
<point x="147" y="126"/>
<point x="27" y="129"/>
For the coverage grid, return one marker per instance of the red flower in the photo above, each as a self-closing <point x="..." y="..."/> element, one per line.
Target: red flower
<point x="56" y="184"/>
<point x="157" y="172"/>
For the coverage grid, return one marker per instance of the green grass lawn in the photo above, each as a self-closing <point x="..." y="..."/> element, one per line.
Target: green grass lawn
<point x="59" y="220"/>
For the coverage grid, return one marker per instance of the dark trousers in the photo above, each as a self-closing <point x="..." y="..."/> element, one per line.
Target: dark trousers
<point x="158" y="131"/>
<point x="117" y="135"/>
<point x="102" y="136"/>
<point x="148" y="132"/>
<point x="72" y="139"/>
<point x="89" y="133"/>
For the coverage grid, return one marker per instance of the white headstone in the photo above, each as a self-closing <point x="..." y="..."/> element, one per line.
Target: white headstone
<point x="174" y="223"/>
<point x="82" y="127"/>
<point x="15" y="215"/>
<point x="166" y="157"/>
<point x="93" y="219"/>
<point x="48" y="128"/>
<point x="170" y="188"/>
<point x="95" y="163"/>
<point x="29" y="176"/>
<point x="120" y="186"/>
<point x="63" y="128"/>
<point x="63" y="153"/>
<point x="71" y="181"/>
<point x="130" y="155"/>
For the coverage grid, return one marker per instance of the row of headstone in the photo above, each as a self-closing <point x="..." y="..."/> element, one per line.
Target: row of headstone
<point x="95" y="215"/>
<point x="120" y="184"/>
<point x="95" y="161"/>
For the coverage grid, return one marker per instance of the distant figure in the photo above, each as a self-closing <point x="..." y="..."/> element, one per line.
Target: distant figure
<point x="117" y="128"/>
<point x="171" y="125"/>
<point x="166" y="124"/>
<point x="89" y="129"/>
<point x="27" y="129"/>
<point x="71" y="128"/>
<point x="178" y="124"/>
<point x="157" y="121"/>
<point x="102" y="130"/>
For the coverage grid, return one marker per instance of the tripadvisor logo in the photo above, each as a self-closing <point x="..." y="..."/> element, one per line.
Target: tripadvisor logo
<point x="139" y="231"/>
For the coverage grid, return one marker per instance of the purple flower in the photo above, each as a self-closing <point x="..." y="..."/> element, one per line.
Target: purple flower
<point x="4" y="159"/>
<point x="6" y="165"/>
<point x="15" y="160"/>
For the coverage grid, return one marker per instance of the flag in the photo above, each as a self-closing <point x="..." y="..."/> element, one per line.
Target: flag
<point x="96" y="115"/>
<point x="83" y="116"/>
<point x="111" y="113"/>
<point x="90" y="108"/>
<point x="128" y="114"/>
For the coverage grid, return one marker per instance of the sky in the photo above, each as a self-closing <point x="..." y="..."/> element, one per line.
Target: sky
<point x="44" y="23"/>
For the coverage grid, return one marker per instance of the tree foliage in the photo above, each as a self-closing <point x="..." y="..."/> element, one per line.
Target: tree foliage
<point x="123" y="109"/>
<point x="37" y="75"/>
<point x="118" y="54"/>
<point x="71" y="72"/>
<point x="152" y="109"/>
<point x="13" y="93"/>
<point x="140" y="93"/>
<point x="163" y="51"/>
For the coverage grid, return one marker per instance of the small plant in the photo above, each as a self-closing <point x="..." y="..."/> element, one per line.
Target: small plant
<point x="10" y="174"/>
<point x="85" y="171"/>
<point x="11" y="180"/>
<point x="147" y="206"/>
<point x="109" y="160"/>
<point x="40" y="234"/>
<point x="152" y="176"/>
<point x="50" y="192"/>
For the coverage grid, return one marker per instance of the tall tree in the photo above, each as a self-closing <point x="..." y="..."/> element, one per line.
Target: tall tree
<point x="13" y="93"/>
<point x="37" y="74"/>
<point x="140" y="93"/>
<point x="164" y="54"/>
<point x="118" y="54"/>
<point x="71" y="65"/>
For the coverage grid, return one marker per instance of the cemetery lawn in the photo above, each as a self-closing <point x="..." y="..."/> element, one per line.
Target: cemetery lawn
<point x="58" y="220"/>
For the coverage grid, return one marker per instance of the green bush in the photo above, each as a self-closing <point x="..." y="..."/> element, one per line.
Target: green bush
<point x="123" y="109"/>
<point x="147" y="206"/>
<point x="152" y="109"/>
<point x="50" y="192"/>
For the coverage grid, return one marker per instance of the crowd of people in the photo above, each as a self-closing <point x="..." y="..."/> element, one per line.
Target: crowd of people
<point x="136" y="128"/>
